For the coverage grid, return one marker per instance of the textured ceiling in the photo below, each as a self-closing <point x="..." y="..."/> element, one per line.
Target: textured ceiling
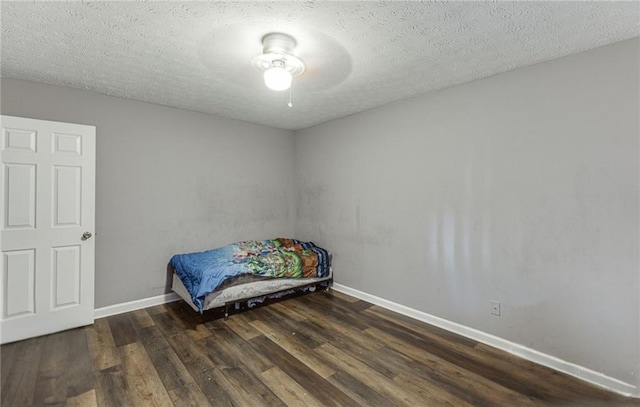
<point x="359" y="55"/>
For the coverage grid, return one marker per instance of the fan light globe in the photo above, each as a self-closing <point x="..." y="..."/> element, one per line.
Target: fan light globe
<point x="277" y="62"/>
<point x="277" y="78"/>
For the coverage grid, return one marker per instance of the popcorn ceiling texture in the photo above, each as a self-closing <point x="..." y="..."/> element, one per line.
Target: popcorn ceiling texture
<point x="359" y="55"/>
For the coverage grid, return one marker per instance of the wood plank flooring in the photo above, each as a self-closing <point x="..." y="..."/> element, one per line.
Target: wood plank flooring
<point x="320" y="349"/>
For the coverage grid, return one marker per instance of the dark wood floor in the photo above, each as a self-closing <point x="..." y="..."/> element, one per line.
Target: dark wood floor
<point x="321" y="349"/>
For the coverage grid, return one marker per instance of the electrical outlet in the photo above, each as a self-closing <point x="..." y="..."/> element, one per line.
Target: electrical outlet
<point x="495" y="308"/>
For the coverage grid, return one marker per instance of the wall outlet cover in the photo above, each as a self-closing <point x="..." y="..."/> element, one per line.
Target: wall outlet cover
<point x="495" y="308"/>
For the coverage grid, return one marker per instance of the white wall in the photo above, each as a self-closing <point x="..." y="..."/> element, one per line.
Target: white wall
<point x="168" y="181"/>
<point x="521" y="188"/>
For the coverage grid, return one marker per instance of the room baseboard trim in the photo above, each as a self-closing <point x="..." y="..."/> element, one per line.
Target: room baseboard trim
<point x="532" y="355"/>
<point x="134" y="305"/>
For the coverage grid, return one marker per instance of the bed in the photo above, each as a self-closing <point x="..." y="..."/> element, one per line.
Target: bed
<point x="250" y="272"/>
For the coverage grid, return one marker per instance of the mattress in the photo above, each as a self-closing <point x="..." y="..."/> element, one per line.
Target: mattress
<point x="245" y="291"/>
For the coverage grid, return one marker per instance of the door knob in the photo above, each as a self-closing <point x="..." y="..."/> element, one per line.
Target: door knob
<point x="86" y="235"/>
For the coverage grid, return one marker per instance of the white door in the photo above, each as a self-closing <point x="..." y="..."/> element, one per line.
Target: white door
<point x="48" y="211"/>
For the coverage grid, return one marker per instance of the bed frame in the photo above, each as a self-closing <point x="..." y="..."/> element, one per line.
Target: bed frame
<point x="254" y="292"/>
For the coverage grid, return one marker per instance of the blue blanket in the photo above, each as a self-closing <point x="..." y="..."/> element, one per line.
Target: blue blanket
<point x="203" y="272"/>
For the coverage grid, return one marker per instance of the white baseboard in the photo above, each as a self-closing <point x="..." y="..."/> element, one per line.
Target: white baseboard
<point x="533" y="355"/>
<point x="134" y="305"/>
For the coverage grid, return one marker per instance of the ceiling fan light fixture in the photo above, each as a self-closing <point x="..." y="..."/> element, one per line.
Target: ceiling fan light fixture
<point x="277" y="62"/>
<point x="277" y="78"/>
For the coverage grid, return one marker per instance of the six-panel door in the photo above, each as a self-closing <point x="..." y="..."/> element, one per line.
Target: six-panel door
<point x="48" y="203"/>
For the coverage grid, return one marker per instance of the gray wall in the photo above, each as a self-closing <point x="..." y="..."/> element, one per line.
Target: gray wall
<point x="168" y="181"/>
<point x="521" y="188"/>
